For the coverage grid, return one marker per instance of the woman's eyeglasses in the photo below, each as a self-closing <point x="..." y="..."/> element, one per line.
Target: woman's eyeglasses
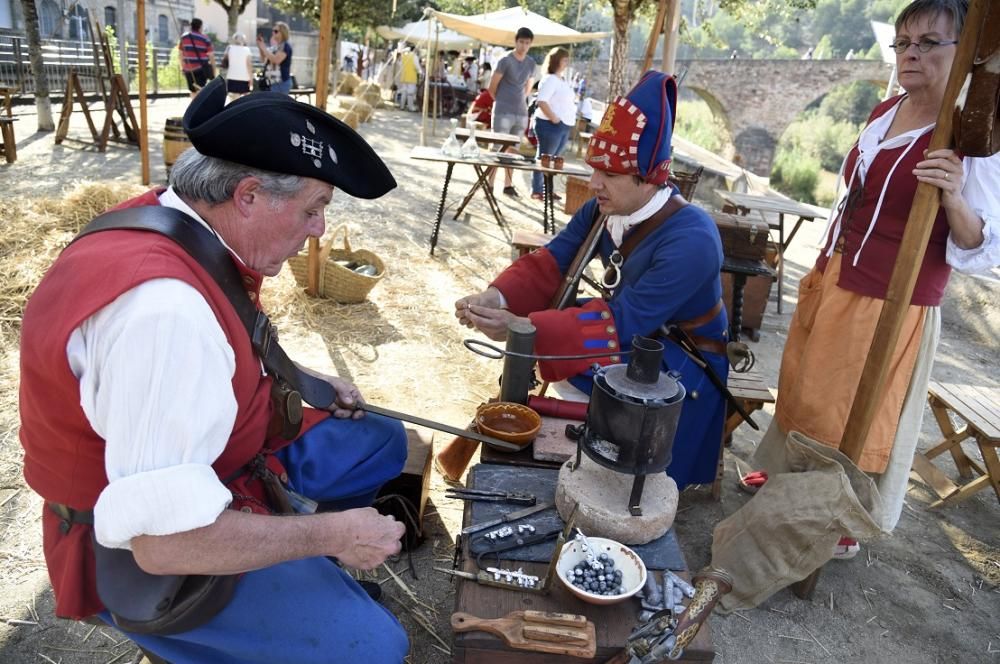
<point x="924" y="45"/>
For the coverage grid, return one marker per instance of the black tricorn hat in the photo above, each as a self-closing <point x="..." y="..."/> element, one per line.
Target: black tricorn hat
<point x="272" y="132"/>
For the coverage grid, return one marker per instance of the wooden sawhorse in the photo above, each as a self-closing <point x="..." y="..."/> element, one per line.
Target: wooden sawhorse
<point x="979" y="408"/>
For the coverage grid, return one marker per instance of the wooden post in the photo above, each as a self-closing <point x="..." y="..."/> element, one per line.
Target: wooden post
<point x="911" y="251"/>
<point x="140" y="8"/>
<point x="322" y="91"/>
<point x="323" y="56"/>
<point x="654" y="33"/>
<point x="670" y="39"/>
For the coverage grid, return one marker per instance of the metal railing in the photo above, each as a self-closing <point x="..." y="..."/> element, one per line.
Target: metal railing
<point x="61" y="56"/>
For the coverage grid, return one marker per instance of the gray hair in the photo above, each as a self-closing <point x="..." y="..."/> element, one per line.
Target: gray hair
<point x="202" y="178"/>
<point x="956" y="9"/>
<point x="240" y="39"/>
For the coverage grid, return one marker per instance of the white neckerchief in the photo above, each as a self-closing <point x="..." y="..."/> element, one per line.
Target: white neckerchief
<point x="619" y="224"/>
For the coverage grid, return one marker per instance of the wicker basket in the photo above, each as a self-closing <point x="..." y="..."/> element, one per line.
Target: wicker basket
<point x="336" y="281"/>
<point x="687" y="182"/>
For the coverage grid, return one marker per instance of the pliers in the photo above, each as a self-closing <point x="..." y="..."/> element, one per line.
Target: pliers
<point x="491" y="496"/>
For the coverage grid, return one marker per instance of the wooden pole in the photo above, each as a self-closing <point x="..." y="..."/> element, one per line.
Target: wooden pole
<point x="671" y="38"/>
<point x="140" y="8"/>
<point x="911" y="251"/>
<point x="654" y="34"/>
<point x="323" y="56"/>
<point x="427" y="84"/>
<point x="322" y="91"/>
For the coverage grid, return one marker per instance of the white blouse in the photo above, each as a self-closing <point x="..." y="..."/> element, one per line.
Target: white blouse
<point x="980" y="187"/>
<point x="560" y="98"/>
<point x="155" y="372"/>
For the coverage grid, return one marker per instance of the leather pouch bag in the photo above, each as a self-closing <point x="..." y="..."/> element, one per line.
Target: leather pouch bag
<point x="977" y="120"/>
<point x="145" y="603"/>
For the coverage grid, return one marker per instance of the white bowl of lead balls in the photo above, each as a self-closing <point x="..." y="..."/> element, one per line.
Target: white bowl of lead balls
<point x="612" y="574"/>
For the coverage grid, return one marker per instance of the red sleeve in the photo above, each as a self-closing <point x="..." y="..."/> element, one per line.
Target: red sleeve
<point x="575" y="331"/>
<point x="530" y="282"/>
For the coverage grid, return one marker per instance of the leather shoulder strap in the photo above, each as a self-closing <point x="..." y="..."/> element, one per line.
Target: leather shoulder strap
<point x="673" y="204"/>
<point x="209" y="253"/>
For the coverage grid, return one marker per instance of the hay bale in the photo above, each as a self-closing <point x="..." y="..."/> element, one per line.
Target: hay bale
<point x="364" y="88"/>
<point x="348" y="117"/>
<point x="348" y="84"/>
<point x="363" y="110"/>
<point x="373" y="98"/>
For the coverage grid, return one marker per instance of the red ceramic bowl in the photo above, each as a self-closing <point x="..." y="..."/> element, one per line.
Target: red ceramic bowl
<point x="508" y="421"/>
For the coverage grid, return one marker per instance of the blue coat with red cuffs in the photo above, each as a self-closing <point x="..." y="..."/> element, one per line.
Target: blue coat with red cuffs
<point x="671" y="276"/>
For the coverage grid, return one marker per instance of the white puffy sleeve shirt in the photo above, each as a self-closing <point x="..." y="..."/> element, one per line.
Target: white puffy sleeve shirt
<point x="155" y="373"/>
<point x="980" y="187"/>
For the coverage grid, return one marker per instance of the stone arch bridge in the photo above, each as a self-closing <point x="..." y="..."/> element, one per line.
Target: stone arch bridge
<point x="758" y="99"/>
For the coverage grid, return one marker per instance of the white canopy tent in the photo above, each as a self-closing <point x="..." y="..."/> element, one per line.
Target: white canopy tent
<point x="420" y="33"/>
<point x="500" y="27"/>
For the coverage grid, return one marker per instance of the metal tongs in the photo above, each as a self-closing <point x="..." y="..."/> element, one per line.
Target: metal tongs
<point x="518" y="498"/>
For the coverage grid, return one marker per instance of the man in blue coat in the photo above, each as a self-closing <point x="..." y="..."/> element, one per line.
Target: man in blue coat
<point x="667" y="274"/>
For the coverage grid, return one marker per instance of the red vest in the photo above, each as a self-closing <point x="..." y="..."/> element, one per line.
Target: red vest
<point x="874" y="269"/>
<point x="63" y="456"/>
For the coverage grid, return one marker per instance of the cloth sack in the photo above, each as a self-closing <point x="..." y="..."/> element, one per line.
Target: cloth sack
<point x="814" y="495"/>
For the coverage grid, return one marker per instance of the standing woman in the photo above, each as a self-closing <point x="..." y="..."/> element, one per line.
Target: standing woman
<point x="240" y="67"/>
<point x="555" y="113"/>
<point x="840" y="300"/>
<point x="277" y="58"/>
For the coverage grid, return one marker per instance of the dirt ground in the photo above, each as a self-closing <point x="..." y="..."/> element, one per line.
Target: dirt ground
<point x="930" y="593"/>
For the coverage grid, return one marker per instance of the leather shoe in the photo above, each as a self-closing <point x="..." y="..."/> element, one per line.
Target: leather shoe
<point x="537" y="196"/>
<point x="510" y="191"/>
<point x="373" y="589"/>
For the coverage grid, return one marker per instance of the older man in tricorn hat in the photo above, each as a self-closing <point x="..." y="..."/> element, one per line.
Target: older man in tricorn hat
<point x="162" y="424"/>
<point x="662" y="258"/>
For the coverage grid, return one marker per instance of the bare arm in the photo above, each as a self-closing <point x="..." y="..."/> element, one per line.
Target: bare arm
<point x="544" y="107"/>
<point x="239" y="542"/>
<point x="495" y="83"/>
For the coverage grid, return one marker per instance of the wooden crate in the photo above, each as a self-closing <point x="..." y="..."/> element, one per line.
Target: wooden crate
<point x="577" y="193"/>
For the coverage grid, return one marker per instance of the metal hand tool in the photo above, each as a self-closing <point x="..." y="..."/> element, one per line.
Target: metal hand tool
<point x="430" y="424"/>
<point x="506" y="518"/>
<point x="518" y="498"/>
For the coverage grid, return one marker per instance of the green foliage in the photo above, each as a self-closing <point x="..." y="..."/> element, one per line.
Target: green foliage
<point x="697" y="123"/>
<point x="819" y="137"/>
<point x="109" y="33"/>
<point x="169" y="76"/>
<point x="796" y="175"/>
<point x="851" y="103"/>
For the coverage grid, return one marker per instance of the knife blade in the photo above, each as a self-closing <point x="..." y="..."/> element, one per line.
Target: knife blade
<point x="507" y="518"/>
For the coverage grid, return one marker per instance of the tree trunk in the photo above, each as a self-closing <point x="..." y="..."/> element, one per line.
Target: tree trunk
<point x="42" y="102"/>
<point x="619" y="48"/>
<point x="233" y="12"/>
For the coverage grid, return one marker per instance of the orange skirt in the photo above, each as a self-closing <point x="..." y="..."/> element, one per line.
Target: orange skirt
<point x="828" y="342"/>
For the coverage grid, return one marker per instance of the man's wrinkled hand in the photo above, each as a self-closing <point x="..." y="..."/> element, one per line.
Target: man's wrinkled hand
<point x="348" y="401"/>
<point x="368" y="538"/>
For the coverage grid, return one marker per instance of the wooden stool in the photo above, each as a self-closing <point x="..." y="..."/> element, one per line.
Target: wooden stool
<point x="752" y="393"/>
<point x="979" y="408"/>
<point x="7" y="142"/>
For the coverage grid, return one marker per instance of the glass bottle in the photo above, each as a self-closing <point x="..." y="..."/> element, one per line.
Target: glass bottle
<point x="470" y="149"/>
<point x="451" y="147"/>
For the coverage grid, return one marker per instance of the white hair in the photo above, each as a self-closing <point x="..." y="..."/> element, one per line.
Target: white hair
<point x="202" y="178"/>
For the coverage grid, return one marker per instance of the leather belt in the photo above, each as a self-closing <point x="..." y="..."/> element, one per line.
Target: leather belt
<point x="704" y="343"/>
<point x="69" y="516"/>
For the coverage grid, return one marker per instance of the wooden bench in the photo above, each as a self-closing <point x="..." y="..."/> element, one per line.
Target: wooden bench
<point x="979" y="408"/>
<point x="7" y="141"/>
<point x="752" y="393"/>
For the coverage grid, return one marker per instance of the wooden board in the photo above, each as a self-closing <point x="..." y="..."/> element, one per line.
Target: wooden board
<point x="978" y="406"/>
<point x="517" y="630"/>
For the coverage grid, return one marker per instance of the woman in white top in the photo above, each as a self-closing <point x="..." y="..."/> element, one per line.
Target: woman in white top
<point x="555" y="113"/>
<point x="240" y="67"/>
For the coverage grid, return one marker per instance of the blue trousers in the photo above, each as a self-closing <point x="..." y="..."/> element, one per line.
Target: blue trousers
<point x="307" y="611"/>
<point x="552" y="137"/>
